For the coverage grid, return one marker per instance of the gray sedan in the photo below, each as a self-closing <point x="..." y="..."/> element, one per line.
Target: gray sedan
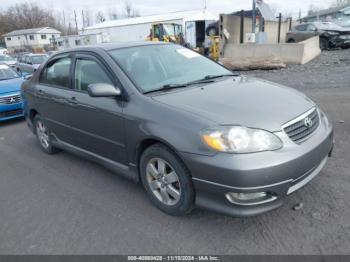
<point x="30" y="63"/>
<point x="191" y="131"/>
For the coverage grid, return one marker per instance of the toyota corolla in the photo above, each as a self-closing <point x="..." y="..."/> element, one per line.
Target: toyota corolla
<point x="191" y="131"/>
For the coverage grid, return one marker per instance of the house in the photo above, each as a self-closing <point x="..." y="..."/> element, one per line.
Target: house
<point x="31" y="39"/>
<point x="339" y="15"/>
<point x="193" y="23"/>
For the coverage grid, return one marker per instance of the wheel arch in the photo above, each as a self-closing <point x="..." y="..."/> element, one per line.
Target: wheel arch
<point x="148" y="142"/>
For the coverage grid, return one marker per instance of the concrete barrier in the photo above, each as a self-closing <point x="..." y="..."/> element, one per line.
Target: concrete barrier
<point x="288" y="53"/>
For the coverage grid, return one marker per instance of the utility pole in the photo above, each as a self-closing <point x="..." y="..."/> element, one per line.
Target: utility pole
<point x="76" y="22"/>
<point x="254" y="17"/>
<point x="82" y="14"/>
<point x="64" y="23"/>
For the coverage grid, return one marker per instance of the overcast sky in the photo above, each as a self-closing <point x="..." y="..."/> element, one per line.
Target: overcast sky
<point x="148" y="7"/>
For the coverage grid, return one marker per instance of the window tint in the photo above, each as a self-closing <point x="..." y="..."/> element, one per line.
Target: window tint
<point x="301" y="27"/>
<point x="89" y="72"/>
<point x="57" y="72"/>
<point x="310" y="27"/>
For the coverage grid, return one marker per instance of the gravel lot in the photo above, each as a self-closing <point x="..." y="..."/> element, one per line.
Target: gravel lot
<point x="65" y="205"/>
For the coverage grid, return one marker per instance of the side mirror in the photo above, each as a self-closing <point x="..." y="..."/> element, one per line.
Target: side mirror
<point x="103" y="90"/>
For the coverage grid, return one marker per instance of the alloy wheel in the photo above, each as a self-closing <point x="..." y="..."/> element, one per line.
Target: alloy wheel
<point x="43" y="134"/>
<point x="163" y="181"/>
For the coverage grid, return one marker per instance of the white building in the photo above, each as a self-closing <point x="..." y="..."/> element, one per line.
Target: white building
<point x="193" y="23"/>
<point x="34" y="38"/>
<point x="71" y="41"/>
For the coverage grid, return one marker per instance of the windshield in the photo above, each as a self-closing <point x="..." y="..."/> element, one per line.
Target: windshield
<point x="38" y="59"/>
<point x="154" y="66"/>
<point x="7" y="73"/>
<point x="5" y="58"/>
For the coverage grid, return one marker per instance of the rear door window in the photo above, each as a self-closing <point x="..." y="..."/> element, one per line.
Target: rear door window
<point x="56" y="72"/>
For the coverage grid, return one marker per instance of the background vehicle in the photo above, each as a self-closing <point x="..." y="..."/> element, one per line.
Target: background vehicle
<point x="167" y="32"/>
<point x="10" y="98"/>
<point x="8" y="60"/>
<point x="186" y="127"/>
<point x="331" y="35"/>
<point x="29" y="63"/>
<point x="3" y="51"/>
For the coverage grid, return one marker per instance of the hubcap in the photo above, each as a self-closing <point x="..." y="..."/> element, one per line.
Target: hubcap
<point x="163" y="181"/>
<point x="43" y="135"/>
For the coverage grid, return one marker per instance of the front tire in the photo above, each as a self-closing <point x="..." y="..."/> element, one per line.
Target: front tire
<point x="43" y="135"/>
<point x="167" y="181"/>
<point x="324" y="44"/>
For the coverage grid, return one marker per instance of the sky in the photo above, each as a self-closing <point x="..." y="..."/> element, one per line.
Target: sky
<point x="149" y="7"/>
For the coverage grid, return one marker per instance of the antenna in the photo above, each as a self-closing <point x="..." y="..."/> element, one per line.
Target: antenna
<point x="205" y="4"/>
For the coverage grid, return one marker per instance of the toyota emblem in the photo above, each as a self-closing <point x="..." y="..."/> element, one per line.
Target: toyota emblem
<point x="308" y="122"/>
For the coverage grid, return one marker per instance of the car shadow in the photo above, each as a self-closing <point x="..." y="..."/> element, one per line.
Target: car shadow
<point x="10" y="122"/>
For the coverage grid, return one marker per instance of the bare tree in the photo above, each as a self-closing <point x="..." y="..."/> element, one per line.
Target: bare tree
<point x="130" y="11"/>
<point x="28" y="15"/>
<point x="100" y="17"/>
<point x="313" y="10"/>
<point x="340" y="3"/>
<point x="113" y="14"/>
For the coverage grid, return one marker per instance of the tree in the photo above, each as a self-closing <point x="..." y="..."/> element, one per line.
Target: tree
<point x="100" y="17"/>
<point x="313" y="10"/>
<point x="130" y="11"/>
<point x="340" y="3"/>
<point x="28" y="15"/>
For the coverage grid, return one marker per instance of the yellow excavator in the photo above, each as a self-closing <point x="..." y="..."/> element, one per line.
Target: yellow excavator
<point x="166" y="32"/>
<point x="171" y="32"/>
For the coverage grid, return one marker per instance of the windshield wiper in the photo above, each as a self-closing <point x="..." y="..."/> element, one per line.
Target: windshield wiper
<point x="208" y="78"/>
<point x="167" y="87"/>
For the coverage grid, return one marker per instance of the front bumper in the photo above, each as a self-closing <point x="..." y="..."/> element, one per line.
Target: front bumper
<point x="277" y="173"/>
<point x="8" y="112"/>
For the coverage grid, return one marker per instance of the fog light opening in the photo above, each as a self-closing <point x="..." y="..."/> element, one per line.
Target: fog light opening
<point x="250" y="198"/>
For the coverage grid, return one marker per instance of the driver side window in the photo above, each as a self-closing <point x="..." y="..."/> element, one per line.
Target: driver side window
<point x="88" y="71"/>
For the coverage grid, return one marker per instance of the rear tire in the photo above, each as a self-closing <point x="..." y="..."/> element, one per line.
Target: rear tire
<point x="166" y="180"/>
<point x="43" y="135"/>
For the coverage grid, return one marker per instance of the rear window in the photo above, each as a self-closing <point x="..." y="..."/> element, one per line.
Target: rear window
<point x="301" y="27"/>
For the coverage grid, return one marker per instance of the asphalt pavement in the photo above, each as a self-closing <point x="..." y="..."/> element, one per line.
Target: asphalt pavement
<point x="63" y="204"/>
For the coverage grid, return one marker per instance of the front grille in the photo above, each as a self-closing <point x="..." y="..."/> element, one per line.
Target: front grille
<point x="302" y="129"/>
<point x="9" y="100"/>
<point x="11" y="113"/>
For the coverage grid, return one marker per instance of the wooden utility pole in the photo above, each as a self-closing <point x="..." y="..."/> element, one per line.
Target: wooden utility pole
<point x="76" y="22"/>
<point x="254" y="17"/>
<point x="64" y="23"/>
<point x="82" y="14"/>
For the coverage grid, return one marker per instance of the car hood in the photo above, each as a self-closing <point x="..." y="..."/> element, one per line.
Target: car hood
<point x="11" y="85"/>
<point x="241" y="101"/>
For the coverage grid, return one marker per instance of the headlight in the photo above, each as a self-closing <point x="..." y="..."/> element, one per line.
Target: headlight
<point x="238" y="139"/>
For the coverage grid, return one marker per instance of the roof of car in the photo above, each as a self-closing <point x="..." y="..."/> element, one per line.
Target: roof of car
<point x="112" y="46"/>
<point x="34" y="54"/>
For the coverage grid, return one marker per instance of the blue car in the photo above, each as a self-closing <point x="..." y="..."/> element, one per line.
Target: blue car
<point x="11" y="105"/>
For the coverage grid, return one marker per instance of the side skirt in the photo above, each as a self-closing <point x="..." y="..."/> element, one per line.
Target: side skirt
<point x="129" y="172"/>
